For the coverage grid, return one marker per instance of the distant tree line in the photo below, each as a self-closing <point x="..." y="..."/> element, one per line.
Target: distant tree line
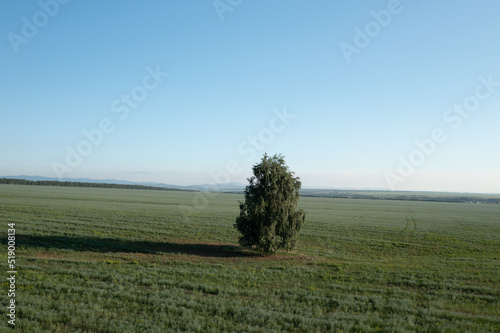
<point x="82" y="184"/>
<point x="351" y="195"/>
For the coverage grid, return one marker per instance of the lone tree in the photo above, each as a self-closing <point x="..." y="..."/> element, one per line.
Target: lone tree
<point x="268" y="218"/>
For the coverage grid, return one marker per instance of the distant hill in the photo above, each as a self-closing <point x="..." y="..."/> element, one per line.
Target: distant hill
<point x="239" y="188"/>
<point x="226" y="187"/>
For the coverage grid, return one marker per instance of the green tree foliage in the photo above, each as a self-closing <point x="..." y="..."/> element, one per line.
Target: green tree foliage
<point x="269" y="220"/>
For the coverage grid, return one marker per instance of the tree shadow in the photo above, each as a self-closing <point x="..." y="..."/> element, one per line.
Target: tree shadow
<point x="105" y="245"/>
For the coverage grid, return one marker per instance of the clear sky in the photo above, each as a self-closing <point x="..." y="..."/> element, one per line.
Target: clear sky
<point x="363" y="94"/>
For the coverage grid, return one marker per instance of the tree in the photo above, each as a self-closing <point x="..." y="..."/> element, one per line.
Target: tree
<point x="269" y="220"/>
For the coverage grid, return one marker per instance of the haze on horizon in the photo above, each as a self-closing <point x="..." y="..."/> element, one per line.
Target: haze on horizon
<point x="401" y="95"/>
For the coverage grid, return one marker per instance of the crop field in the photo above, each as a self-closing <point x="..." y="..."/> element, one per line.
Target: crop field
<point x="110" y="260"/>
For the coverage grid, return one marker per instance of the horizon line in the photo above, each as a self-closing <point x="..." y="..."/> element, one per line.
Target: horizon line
<point x="153" y="183"/>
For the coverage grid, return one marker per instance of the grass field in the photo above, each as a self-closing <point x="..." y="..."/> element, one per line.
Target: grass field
<point x="106" y="260"/>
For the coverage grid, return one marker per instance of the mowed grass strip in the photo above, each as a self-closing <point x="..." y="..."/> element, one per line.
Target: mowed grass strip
<point x="105" y="260"/>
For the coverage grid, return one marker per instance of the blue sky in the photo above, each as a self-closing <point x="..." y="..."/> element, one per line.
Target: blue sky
<point x="355" y="85"/>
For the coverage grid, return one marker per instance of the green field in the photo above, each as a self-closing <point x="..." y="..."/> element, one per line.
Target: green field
<point x="107" y="260"/>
